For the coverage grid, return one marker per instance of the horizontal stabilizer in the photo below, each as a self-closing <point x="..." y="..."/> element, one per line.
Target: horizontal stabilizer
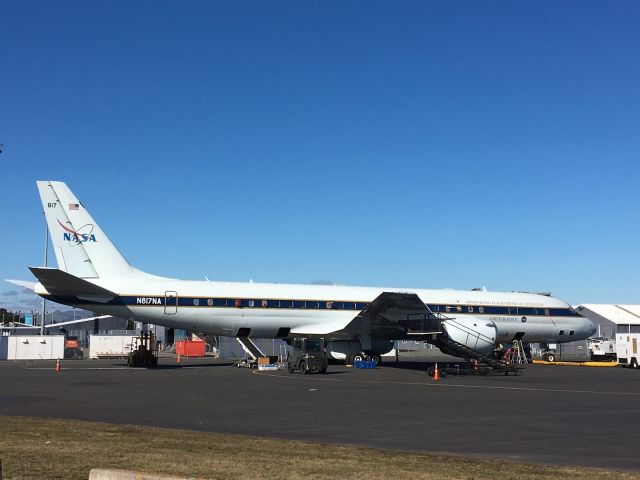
<point x="58" y="282"/>
<point x="23" y="283"/>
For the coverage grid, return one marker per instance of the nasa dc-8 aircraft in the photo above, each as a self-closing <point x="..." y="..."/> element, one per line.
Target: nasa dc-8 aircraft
<point x="92" y="274"/>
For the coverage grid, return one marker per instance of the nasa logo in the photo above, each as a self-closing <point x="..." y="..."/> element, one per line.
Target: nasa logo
<point x="78" y="236"/>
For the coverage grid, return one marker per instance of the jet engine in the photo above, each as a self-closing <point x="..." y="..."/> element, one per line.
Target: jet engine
<point x="474" y="333"/>
<point x="339" y="349"/>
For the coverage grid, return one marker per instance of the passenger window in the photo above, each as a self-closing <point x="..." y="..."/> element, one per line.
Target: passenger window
<point x="571" y="332"/>
<point x="458" y="308"/>
<point x="470" y="309"/>
<point x="561" y="332"/>
<point x="546" y="312"/>
<point x="481" y="309"/>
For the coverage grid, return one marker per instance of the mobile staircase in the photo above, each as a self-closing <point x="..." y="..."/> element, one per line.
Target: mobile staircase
<point x="252" y="352"/>
<point x="449" y="346"/>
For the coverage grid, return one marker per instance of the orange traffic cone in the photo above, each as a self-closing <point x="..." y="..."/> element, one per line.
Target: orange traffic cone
<point x="178" y="359"/>
<point x="58" y="367"/>
<point x="436" y="374"/>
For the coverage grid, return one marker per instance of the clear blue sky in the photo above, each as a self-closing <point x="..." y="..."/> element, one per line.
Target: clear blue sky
<point x="413" y="144"/>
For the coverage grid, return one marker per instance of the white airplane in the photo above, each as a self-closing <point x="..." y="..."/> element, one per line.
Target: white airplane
<point x="355" y="321"/>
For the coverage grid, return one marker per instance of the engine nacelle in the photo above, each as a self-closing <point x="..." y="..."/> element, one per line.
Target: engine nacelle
<point x="475" y="333"/>
<point x="339" y="349"/>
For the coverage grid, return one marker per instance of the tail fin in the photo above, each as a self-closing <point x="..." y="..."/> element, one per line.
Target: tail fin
<point x="81" y="247"/>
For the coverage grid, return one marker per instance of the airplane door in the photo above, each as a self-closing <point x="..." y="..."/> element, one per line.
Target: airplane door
<point x="170" y="302"/>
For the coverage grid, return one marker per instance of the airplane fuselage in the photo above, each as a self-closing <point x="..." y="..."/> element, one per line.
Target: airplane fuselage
<point x="263" y="310"/>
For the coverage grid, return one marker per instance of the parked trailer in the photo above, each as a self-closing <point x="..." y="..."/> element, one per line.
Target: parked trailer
<point x="627" y="340"/>
<point x="577" y="351"/>
<point x="31" y="347"/>
<point x="111" y="346"/>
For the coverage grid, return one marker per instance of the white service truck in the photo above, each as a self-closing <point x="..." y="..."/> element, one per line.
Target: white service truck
<point x="602" y="349"/>
<point x="627" y="340"/>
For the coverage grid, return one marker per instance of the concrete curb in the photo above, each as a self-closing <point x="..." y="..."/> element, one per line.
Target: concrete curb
<point x="110" y="474"/>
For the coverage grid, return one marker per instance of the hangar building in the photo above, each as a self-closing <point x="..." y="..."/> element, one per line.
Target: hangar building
<point x="608" y="316"/>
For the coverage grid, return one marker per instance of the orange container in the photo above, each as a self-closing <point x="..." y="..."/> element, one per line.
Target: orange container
<point x="190" y="348"/>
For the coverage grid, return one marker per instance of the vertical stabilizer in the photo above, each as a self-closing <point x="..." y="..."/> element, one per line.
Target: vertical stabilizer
<point x="81" y="247"/>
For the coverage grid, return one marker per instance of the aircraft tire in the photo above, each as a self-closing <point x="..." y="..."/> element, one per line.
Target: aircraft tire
<point x="633" y="363"/>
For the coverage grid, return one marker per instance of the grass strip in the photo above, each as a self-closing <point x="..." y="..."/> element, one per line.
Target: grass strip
<point x="43" y="448"/>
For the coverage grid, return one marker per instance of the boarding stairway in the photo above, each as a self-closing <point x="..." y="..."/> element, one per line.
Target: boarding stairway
<point x="250" y="348"/>
<point x="449" y="346"/>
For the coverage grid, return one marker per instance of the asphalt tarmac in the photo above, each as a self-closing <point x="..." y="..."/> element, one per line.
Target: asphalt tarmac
<point x="549" y="414"/>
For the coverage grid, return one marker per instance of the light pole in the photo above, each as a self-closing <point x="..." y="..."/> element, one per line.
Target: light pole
<point x="46" y="257"/>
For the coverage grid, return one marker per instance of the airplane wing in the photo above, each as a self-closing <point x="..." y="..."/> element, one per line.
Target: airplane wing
<point x="73" y="322"/>
<point x="322" y="328"/>
<point x="390" y="314"/>
<point x="58" y="282"/>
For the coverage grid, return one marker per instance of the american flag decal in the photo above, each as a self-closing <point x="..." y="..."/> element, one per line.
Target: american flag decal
<point x="74" y="206"/>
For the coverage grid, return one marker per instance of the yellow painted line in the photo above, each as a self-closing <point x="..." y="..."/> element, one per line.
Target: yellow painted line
<point x="577" y="364"/>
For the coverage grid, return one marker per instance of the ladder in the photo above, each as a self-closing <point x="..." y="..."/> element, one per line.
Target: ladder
<point x="284" y="354"/>
<point x="518" y="356"/>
